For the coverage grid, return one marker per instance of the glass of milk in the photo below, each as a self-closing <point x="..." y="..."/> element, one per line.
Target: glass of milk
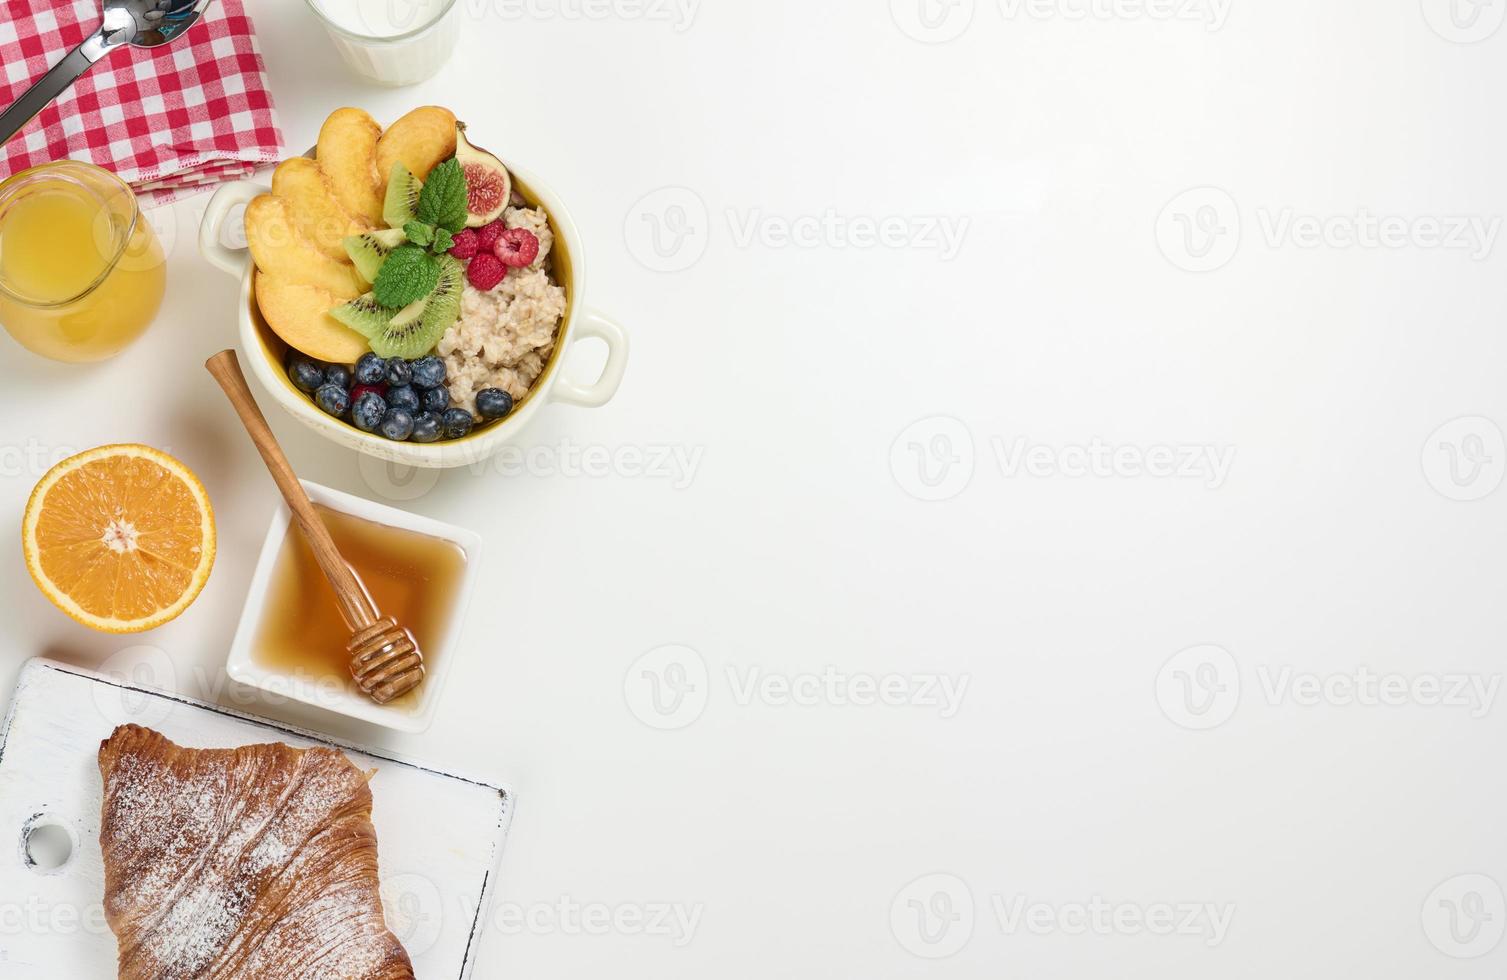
<point x="391" y="42"/>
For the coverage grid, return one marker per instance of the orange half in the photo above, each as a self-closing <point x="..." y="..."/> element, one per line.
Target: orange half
<point x="121" y="538"/>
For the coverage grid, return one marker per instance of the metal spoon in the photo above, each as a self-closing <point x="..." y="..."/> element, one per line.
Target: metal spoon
<point x="139" y="23"/>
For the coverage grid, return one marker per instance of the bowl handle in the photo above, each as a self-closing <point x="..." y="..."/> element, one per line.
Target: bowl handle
<point x="594" y="324"/>
<point x="232" y="261"/>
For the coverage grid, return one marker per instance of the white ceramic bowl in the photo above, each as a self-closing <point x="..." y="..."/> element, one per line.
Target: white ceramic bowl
<point x="416" y="717"/>
<point x="263" y="351"/>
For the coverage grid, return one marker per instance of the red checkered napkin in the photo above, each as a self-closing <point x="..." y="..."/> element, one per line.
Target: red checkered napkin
<point x="169" y="120"/>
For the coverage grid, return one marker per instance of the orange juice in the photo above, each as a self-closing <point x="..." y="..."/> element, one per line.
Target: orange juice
<point x="81" y="271"/>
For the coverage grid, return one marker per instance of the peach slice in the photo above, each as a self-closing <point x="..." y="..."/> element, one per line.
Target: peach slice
<point x="279" y="248"/>
<point x="347" y="154"/>
<point x="300" y="315"/>
<point x="311" y="202"/>
<point x="420" y="141"/>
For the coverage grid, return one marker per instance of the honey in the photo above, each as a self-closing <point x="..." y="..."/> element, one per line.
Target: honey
<point x="415" y="578"/>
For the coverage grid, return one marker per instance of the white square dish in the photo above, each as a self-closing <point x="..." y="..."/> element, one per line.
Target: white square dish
<point x="412" y="717"/>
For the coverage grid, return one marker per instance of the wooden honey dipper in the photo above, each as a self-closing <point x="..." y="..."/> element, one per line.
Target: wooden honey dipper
<point x="385" y="660"/>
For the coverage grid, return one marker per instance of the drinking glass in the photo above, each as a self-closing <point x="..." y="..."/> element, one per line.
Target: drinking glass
<point x="391" y="42"/>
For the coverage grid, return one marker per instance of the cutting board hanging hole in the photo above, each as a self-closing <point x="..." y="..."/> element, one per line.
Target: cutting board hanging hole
<point x="47" y="845"/>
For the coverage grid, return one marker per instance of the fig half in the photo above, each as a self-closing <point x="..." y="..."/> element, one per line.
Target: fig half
<point x="489" y="186"/>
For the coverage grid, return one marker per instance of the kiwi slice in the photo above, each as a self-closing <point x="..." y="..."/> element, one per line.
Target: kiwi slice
<point x="402" y="203"/>
<point x="364" y="315"/>
<point x="370" y="249"/>
<point x="415" y="329"/>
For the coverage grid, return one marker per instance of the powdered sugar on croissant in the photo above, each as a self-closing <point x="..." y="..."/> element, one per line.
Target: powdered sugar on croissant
<point x="250" y="863"/>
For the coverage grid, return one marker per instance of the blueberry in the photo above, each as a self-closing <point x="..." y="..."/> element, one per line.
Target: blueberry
<point x="398" y="425"/>
<point x="458" y="422"/>
<point x="370" y="370"/>
<point x="338" y="374"/>
<point x="305" y="374"/>
<point x="493" y="403"/>
<point x="426" y="427"/>
<point x="436" y="400"/>
<point x="369" y="411"/>
<point x="403" y="397"/>
<point x="399" y="372"/>
<point x="429" y="372"/>
<point x="333" y="399"/>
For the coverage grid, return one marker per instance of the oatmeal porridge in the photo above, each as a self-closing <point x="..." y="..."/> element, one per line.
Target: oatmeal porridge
<point x="505" y="334"/>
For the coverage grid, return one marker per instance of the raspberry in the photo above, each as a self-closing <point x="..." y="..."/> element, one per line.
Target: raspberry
<point x="487" y="235"/>
<point x="518" y="247"/>
<point x="465" y="244"/>
<point x="360" y="390"/>
<point x="485" y="271"/>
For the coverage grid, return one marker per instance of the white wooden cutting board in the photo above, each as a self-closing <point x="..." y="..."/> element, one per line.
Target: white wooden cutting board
<point x="439" y="836"/>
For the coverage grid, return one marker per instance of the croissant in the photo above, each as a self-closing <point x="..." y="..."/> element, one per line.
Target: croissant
<point x="257" y="863"/>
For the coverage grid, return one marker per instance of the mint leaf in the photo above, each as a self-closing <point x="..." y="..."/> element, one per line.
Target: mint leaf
<point x="443" y="201"/>
<point x="443" y="241"/>
<point x="419" y="233"/>
<point x="409" y="274"/>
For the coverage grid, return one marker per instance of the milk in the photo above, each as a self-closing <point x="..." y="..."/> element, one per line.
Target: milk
<point x="392" y="42"/>
<point x="380" y="18"/>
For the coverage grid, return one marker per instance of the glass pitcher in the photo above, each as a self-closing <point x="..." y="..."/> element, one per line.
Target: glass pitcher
<point x="81" y="271"/>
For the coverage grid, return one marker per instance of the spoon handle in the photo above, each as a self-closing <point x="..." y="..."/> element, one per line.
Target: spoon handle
<point x="355" y="605"/>
<point x="53" y="84"/>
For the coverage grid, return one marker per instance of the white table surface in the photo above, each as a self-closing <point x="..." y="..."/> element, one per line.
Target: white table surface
<point x="1335" y="539"/>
